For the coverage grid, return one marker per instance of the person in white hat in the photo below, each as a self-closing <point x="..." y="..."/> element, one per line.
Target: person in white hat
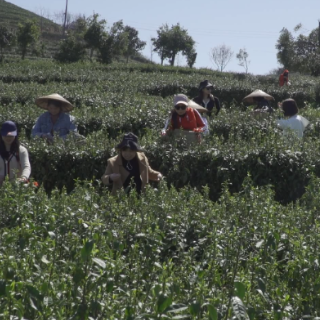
<point x="199" y="109"/>
<point x="55" y="121"/>
<point x="184" y="117"/>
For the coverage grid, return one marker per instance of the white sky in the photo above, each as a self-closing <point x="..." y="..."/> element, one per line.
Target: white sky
<point x="253" y="24"/>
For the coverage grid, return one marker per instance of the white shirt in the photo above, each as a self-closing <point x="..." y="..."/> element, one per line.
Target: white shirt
<point x="15" y="169"/>
<point x="296" y="123"/>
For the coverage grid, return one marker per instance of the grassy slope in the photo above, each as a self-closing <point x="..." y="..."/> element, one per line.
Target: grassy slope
<point x="11" y="15"/>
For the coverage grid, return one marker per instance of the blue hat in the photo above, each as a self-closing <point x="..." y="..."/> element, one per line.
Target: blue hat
<point x="9" y="128"/>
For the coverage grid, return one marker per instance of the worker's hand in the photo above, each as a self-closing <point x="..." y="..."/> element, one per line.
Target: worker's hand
<point x="160" y="176"/>
<point x="115" y="177"/>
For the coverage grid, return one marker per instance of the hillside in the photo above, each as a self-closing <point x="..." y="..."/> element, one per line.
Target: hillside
<point x="11" y="15"/>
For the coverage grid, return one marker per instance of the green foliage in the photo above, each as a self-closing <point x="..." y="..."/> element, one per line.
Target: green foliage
<point x="7" y="39"/>
<point x="134" y="43"/>
<point x="232" y="231"/>
<point x="95" y="33"/>
<point x="70" y="50"/>
<point x="27" y="35"/>
<point x="191" y="57"/>
<point x="114" y="44"/>
<point x="300" y="53"/>
<point x="166" y="254"/>
<point x="171" y="41"/>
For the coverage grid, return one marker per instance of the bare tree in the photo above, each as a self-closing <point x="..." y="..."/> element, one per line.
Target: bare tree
<point x="59" y="17"/>
<point x="242" y="56"/>
<point x="151" y="49"/>
<point x="221" y="56"/>
<point x="44" y="14"/>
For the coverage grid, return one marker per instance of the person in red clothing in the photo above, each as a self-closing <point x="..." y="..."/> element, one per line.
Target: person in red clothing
<point x="185" y="118"/>
<point x="284" y="78"/>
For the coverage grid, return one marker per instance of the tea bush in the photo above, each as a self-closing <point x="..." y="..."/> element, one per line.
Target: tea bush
<point x="165" y="255"/>
<point x="231" y="233"/>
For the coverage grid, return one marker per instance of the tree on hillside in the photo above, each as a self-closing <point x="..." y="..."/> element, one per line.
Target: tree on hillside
<point x="7" y="39"/>
<point x="114" y="43"/>
<point x="171" y="41"/>
<point x="27" y="35"/>
<point x="70" y="50"/>
<point x="79" y="27"/>
<point x="95" y="33"/>
<point x="191" y="57"/>
<point x="300" y="53"/>
<point x="134" y="44"/>
<point x="243" y="56"/>
<point x="221" y="56"/>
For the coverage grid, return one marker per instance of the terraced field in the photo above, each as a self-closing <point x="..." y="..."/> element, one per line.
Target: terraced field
<point x="232" y="232"/>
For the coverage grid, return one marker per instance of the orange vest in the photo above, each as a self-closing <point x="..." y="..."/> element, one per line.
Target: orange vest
<point x="189" y="121"/>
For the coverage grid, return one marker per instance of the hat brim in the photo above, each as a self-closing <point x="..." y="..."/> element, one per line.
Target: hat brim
<point x="257" y="94"/>
<point x="209" y="85"/>
<point x="197" y="107"/>
<point x="42" y="102"/>
<point x="10" y="134"/>
<point x="129" y="144"/>
<point x="181" y="102"/>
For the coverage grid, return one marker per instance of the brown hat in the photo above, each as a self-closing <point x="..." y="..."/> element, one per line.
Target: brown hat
<point x="42" y="102"/>
<point x="257" y="94"/>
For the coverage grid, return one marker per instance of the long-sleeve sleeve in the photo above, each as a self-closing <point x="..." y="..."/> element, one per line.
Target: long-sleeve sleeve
<point x="37" y="128"/>
<point x="24" y="163"/>
<point x="166" y="125"/>
<point x="105" y="177"/>
<point x="153" y="174"/>
<point x="72" y="127"/>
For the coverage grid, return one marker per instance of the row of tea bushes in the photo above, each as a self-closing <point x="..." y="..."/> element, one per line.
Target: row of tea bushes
<point x="268" y="158"/>
<point x="165" y="255"/>
<point x="31" y="80"/>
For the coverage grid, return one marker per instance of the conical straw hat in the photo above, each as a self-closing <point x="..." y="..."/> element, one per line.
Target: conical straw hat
<point x="257" y="94"/>
<point x="42" y="102"/>
<point x="197" y="107"/>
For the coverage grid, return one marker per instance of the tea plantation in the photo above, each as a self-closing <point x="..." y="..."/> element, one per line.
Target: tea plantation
<point x="232" y="232"/>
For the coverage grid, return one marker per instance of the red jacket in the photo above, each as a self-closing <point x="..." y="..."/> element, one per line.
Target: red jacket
<point x="284" y="77"/>
<point x="191" y="120"/>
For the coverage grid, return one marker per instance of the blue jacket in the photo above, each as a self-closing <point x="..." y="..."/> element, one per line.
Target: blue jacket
<point x="61" y="128"/>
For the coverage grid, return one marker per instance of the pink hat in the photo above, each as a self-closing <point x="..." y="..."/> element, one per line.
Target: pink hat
<point x="180" y="98"/>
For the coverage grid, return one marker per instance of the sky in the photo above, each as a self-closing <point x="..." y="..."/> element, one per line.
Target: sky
<point x="251" y="24"/>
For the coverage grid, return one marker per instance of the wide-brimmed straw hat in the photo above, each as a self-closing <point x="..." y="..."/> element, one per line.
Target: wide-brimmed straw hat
<point x="257" y="94"/>
<point x="130" y="141"/>
<point x="196" y="106"/>
<point x="42" y="102"/>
